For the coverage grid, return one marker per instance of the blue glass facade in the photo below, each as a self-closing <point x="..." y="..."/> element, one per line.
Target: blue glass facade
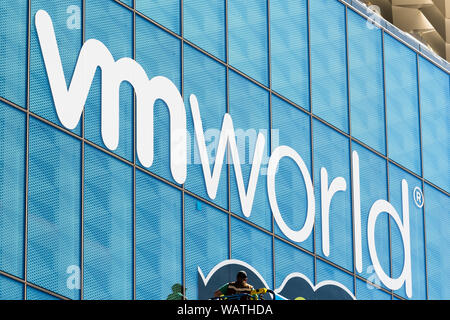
<point x="80" y="221"/>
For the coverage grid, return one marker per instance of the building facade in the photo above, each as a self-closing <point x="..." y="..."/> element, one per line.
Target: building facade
<point x="302" y="141"/>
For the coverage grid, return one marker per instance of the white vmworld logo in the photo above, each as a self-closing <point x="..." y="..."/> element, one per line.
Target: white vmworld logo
<point x="69" y="103"/>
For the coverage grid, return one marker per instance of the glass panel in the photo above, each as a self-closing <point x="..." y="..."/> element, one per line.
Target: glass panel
<point x="35" y="294"/>
<point x="54" y="208"/>
<point x="365" y="291"/>
<point x="10" y="289"/>
<point x="12" y="189"/>
<point x="327" y="272"/>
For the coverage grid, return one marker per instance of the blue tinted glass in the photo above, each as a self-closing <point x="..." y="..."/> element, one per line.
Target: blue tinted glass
<point x="247" y="38"/>
<point x="249" y="107"/>
<point x="366" y="82"/>
<point x="396" y="175"/>
<point x="205" y="78"/>
<point x="204" y="25"/>
<point x="434" y="108"/>
<point x="158" y="238"/>
<point x="289" y="260"/>
<point x="127" y="2"/>
<point x="66" y="17"/>
<point x="331" y="151"/>
<point x="108" y="230"/>
<point x="10" y="289"/>
<point x="159" y="54"/>
<point x="373" y="186"/>
<point x="13" y="48"/>
<point x="206" y="232"/>
<point x="326" y="272"/>
<point x="165" y="12"/>
<point x="438" y="241"/>
<point x="401" y="104"/>
<point x="117" y="34"/>
<point x="328" y="62"/>
<point x="54" y="207"/>
<point x="365" y="291"/>
<point x="291" y="127"/>
<point x="35" y="294"/>
<point x="243" y="237"/>
<point x="12" y="189"/>
<point x="289" y="49"/>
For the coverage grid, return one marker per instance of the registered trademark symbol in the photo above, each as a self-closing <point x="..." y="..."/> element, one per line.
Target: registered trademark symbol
<point x="418" y="197"/>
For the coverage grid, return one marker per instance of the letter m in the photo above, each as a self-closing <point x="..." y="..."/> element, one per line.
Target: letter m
<point x="69" y="102"/>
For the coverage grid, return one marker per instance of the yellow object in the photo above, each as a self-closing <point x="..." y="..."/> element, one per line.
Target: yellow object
<point x="300" y="298"/>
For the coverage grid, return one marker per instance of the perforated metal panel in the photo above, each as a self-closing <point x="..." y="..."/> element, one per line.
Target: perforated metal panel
<point x="54" y="208"/>
<point x="159" y="54"/>
<point x="111" y="24"/>
<point x="402" y="109"/>
<point x="331" y="151"/>
<point x="328" y="62"/>
<point x="249" y="108"/>
<point x="373" y="185"/>
<point x="204" y="25"/>
<point x="206" y="232"/>
<point x="13" y="51"/>
<point x="325" y="271"/>
<point x="434" y="108"/>
<point x="291" y="127"/>
<point x="35" y="294"/>
<point x="158" y="238"/>
<point x="68" y="36"/>
<point x="417" y="235"/>
<point x="207" y="80"/>
<point x="366" y="81"/>
<point x="10" y="289"/>
<point x="244" y="237"/>
<point x="12" y="189"/>
<point x="247" y="38"/>
<point x="289" y="49"/>
<point x="165" y="12"/>
<point x="438" y="241"/>
<point x="366" y="291"/>
<point x="108" y="227"/>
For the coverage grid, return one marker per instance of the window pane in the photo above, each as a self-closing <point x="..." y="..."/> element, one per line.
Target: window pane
<point x="327" y="272"/>
<point x="365" y="291"/>
<point x="165" y="12"/>
<point x="54" y="208"/>
<point x="35" y="294"/>
<point x="10" y="289"/>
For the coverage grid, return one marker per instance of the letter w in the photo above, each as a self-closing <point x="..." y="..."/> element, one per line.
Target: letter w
<point x="227" y="135"/>
<point x="69" y="103"/>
